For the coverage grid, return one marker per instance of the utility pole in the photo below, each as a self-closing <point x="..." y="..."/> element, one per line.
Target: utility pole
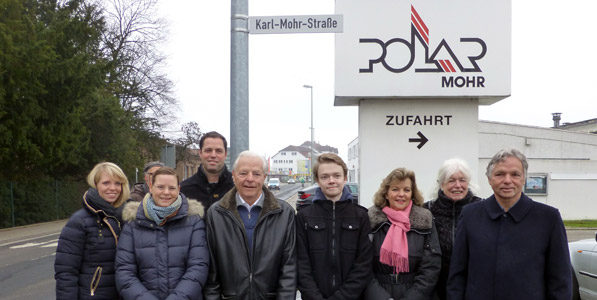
<point x="311" y="158"/>
<point x="239" y="78"/>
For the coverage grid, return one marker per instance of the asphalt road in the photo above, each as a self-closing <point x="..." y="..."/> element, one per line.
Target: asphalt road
<point x="27" y="255"/>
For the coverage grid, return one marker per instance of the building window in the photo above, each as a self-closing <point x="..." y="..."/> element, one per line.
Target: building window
<point x="294" y="153"/>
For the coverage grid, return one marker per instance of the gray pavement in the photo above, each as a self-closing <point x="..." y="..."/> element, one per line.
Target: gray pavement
<point x="575" y="234"/>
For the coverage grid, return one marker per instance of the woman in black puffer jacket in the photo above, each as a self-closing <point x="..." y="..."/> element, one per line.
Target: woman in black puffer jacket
<point x="84" y="266"/>
<point x="163" y="249"/>
<point x="453" y="194"/>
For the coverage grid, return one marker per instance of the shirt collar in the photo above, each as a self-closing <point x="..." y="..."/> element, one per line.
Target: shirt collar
<point x="241" y="202"/>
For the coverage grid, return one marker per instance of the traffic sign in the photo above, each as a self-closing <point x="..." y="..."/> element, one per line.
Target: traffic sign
<point x="296" y="24"/>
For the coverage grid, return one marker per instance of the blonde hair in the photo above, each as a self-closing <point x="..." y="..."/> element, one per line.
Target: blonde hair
<point x="113" y="171"/>
<point x="399" y="174"/>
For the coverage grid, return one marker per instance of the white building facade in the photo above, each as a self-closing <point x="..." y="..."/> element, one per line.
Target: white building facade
<point x="562" y="165"/>
<point x="353" y="161"/>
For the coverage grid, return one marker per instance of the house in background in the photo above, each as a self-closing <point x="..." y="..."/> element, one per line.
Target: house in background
<point x="293" y="161"/>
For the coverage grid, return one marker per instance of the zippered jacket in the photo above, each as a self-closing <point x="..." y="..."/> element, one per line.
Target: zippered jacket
<point x="270" y="272"/>
<point x="84" y="265"/>
<point x="168" y="261"/>
<point x="198" y="188"/>
<point x="333" y="248"/>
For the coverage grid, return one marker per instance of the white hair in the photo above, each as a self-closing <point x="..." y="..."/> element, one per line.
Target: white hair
<point x="248" y="153"/>
<point x="449" y="168"/>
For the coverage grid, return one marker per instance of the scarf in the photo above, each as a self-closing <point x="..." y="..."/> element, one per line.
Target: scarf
<point x="93" y="198"/>
<point x="394" y="250"/>
<point x="158" y="213"/>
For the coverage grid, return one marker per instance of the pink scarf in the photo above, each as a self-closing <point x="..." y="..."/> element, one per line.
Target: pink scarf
<point x="394" y="250"/>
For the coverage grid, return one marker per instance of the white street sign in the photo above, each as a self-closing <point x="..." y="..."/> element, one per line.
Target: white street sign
<point x="296" y="24"/>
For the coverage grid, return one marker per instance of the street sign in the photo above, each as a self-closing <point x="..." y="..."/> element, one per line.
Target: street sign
<point x="416" y="134"/>
<point x="296" y="24"/>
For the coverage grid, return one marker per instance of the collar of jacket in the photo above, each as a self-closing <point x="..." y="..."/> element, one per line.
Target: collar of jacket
<point x="420" y="218"/>
<point x="222" y="178"/>
<point x="346" y="195"/>
<point x="518" y="211"/>
<point x="94" y="203"/>
<point x="228" y="202"/>
<point x="444" y="201"/>
<point x="189" y="207"/>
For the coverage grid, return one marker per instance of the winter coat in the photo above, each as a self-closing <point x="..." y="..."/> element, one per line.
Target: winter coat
<point x="333" y="248"/>
<point x="84" y="266"/>
<point x="519" y="254"/>
<point x="424" y="258"/>
<point x="139" y="191"/>
<point x="270" y="273"/>
<point x="162" y="262"/>
<point x="198" y="188"/>
<point x="446" y="213"/>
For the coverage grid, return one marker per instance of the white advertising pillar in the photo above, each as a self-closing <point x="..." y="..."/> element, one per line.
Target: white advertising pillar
<point x="418" y="71"/>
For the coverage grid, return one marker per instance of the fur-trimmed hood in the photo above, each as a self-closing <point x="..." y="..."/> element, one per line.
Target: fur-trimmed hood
<point x="130" y="209"/>
<point x="420" y="218"/>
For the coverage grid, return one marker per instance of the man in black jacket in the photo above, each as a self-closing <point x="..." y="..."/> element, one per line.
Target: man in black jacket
<point x="251" y="239"/>
<point x="212" y="180"/>
<point x="333" y="247"/>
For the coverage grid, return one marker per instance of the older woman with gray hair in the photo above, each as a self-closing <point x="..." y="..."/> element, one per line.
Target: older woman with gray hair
<point x="454" y="191"/>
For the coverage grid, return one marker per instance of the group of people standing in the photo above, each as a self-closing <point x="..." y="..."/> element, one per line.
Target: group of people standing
<point x="224" y="235"/>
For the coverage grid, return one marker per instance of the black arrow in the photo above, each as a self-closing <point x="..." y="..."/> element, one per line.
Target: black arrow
<point x="421" y="140"/>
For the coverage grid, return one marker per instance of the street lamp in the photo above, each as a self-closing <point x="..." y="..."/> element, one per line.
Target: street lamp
<point x="311" y="158"/>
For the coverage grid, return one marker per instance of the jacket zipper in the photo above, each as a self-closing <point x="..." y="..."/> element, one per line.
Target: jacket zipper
<point x="95" y="280"/>
<point x="333" y="241"/>
<point x="453" y="222"/>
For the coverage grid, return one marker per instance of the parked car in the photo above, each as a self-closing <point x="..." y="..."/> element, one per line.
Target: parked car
<point x="273" y="184"/>
<point x="291" y="181"/>
<point x="305" y="196"/>
<point x="583" y="256"/>
<point x="354" y="188"/>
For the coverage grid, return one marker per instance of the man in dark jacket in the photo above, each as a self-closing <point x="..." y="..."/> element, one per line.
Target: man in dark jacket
<point x="333" y="247"/>
<point x="140" y="189"/>
<point x="212" y="180"/>
<point x="251" y="239"/>
<point x="509" y="246"/>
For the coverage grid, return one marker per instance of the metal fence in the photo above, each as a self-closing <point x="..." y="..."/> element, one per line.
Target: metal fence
<point x="42" y="200"/>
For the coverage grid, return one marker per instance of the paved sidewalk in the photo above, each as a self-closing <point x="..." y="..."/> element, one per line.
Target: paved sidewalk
<point x="20" y="233"/>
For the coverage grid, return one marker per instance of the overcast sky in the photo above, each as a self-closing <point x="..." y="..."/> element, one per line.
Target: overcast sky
<point x="553" y="70"/>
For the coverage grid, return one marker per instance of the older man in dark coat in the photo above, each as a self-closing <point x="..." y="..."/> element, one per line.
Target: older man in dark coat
<point x="509" y="246"/>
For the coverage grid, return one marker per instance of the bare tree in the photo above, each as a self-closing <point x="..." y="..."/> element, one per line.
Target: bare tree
<point x="131" y="43"/>
<point x="189" y="142"/>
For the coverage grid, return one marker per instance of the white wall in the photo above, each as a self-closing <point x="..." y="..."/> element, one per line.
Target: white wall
<point x="568" y="158"/>
<point x="353" y="161"/>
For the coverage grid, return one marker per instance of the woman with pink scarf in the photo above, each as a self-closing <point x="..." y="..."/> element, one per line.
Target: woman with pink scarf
<point x="406" y="252"/>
